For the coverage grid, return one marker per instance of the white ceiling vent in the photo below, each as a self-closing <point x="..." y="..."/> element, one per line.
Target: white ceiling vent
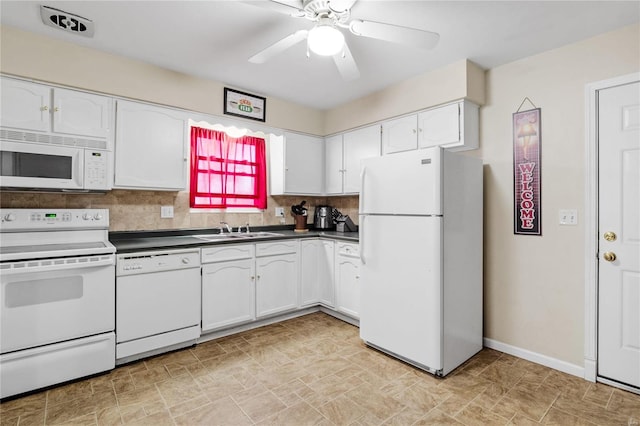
<point x="66" y="21"/>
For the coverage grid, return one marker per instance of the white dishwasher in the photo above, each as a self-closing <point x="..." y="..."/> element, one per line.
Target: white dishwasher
<point x="158" y="302"/>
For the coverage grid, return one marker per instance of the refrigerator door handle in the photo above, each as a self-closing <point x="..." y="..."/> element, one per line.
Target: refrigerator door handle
<point x="362" y="172"/>
<point x="361" y="239"/>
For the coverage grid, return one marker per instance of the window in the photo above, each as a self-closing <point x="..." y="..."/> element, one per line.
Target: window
<point x="227" y="171"/>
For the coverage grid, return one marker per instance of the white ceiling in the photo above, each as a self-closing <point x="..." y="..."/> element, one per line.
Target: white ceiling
<point x="214" y="39"/>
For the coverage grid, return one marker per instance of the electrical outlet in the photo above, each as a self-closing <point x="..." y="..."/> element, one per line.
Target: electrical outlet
<point x="279" y="211"/>
<point x="569" y="217"/>
<point x="166" y="212"/>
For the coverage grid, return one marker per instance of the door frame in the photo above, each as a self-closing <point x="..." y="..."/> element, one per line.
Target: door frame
<point x="591" y="221"/>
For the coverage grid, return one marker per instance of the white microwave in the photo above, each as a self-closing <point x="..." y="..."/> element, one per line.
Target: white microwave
<point x="32" y="166"/>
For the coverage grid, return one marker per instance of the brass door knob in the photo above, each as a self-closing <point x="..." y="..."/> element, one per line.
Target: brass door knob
<point x="610" y="236"/>
<point x="609" y="256"/>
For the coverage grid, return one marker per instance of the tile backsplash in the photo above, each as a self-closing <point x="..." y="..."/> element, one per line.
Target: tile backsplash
<point x="140" y="210"/>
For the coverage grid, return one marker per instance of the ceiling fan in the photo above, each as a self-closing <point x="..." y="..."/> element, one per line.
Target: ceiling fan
<point x="326" y="39"/>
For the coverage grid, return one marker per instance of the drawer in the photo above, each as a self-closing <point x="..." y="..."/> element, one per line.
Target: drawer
<point x="277" y="247"/>
<point x="227" y="252"/>
<point x="348" y="249"/>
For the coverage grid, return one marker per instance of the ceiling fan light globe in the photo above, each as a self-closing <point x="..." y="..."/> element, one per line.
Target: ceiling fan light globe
<point x="325" y="40"/>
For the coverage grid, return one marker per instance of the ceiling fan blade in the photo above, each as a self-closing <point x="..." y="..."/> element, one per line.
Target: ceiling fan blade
<point x="291" y="8"/>
<point x="346" y="64"/>
<point x="341" y="5"/>
<point x="394" y="33"/>
<point x="279" y="47"/>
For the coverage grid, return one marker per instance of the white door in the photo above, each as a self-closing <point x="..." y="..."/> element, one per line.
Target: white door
<point x="619" y="234"/>
<point x="151" y="147"/>
<point x="83" y="114"/>
<point x="439" y="126"/>
<point x="333" y="165"/>
<point x="25" y="105"/>
<point x="304" y="165"/>
<point x="414" y="189"/>
<point x="358" y="145"/>
<point x="401" y="306"/>
<point x="400" y="134"/>
<point x="276" y="284"/>
<point x="228" y="293"/>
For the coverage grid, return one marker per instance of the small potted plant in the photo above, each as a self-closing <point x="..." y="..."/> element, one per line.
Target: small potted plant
<point x="299" y="212"/>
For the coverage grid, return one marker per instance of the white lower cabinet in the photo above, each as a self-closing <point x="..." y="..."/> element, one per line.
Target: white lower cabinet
<point x="228" y="286"/>
<point x="228" y="294"/>
<point x="347" y="279"/>
<point x="276" y="277"/>
<point x="242" y="283"/>
<point x="316" y="273"/>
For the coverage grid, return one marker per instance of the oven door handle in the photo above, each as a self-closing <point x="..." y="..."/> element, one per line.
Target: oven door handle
<point x="61" y="264"/>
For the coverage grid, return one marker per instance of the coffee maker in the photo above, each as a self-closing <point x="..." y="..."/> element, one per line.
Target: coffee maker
<point x="323" y="217"/>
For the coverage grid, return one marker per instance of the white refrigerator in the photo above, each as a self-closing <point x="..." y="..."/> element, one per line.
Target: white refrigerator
<point x="421" y="257"/>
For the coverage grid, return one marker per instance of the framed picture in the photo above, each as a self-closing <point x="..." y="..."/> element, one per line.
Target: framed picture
<point x="527" y="183"/>
<point x="244" y="105"/>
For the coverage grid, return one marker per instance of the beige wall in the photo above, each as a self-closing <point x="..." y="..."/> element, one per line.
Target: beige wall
<point x="534" y="286"/>
<point x="462" y="79"/>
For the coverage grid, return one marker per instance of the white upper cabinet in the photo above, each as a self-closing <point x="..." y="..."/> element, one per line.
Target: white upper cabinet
<point x="40" y="108"/>
<point x="343" y="154"/>
<point x="80" y="113"/>
<point x="333" y="165"/>
<point x="358" y="145"/>
<point x="25" y="105"/>
<point x="451" y="126"/>
<point x="400" y="134"/>
<point x="296" y="165"/>
<point x="151" y="147"/>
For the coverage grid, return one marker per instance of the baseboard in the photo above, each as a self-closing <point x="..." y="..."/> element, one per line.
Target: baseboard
<point x="547" y="361"/>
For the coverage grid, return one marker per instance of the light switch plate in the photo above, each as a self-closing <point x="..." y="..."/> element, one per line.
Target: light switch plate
<point x="568" y="217"/>
<point x="166" y="212"/>
<point x="279" y="211"/>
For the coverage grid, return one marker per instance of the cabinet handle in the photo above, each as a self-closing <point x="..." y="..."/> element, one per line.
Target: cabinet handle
<point x="44" y="108"/>
<point x="56" y="109"/>
<point x="258" y="276"/>
<point x="252" y="278"/>
<point x="414" y="131"/>
<point x="357" y="277"/>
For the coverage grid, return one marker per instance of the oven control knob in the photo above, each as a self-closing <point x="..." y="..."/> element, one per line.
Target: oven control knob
<point x="185" y="260"/>
<point x="10" y="217"/>
<point x="97" y="216"/>
<point x="87" y="216"/>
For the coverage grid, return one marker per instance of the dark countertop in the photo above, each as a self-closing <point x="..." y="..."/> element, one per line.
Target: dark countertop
<point x="132" y="241"/>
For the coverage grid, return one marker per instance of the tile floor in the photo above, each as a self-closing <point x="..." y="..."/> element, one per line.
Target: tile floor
<point x="315" y="370"/>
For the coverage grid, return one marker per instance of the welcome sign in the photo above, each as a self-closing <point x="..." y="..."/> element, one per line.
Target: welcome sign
<point x="526" y="172"/>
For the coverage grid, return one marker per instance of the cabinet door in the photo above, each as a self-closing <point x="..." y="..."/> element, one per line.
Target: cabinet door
<point x="348" y="285"/>
<point x="358" y="145"/>
<point x="310" y="251"/>
<point x="304" y="164"/>
<point x="151" y="147"/>
<point x="439" y="126"/>
<point x="400" y="134"/>
<point x="276" y="284"/>
<point x="80" y="113"/>
<point x="326" y="273"/>
<point x="228" y="294"/>
<point x="333" y="165"/>
<point x="25" y="105"/>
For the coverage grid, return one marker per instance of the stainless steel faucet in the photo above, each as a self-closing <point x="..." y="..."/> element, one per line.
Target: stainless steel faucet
<point x="227" y="225"/>
<point x="248" y="230"/>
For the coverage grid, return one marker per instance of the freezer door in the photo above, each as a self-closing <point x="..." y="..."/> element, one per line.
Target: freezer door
<point x="402" y="183"/>
<point x="401" y="279"/>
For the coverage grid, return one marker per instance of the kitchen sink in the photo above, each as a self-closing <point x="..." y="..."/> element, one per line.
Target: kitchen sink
<point x="260" y="234"/>
<point x="239" y="235"/>
<point x="217" y="237"/>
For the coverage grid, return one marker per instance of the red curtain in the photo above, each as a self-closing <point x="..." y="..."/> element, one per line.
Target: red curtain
<point x="226" y="171"/>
